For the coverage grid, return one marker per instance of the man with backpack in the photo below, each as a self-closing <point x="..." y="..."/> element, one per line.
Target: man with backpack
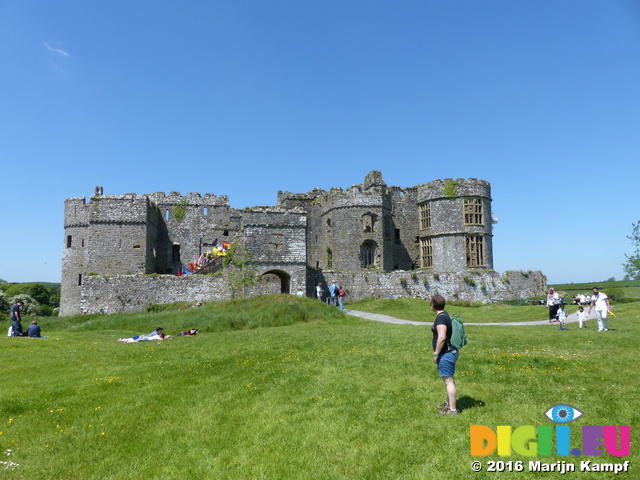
<point x="333" y="291"/>
<point x="445" y="352"/>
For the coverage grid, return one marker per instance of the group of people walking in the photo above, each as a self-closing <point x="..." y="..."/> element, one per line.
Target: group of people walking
<point x="598" y="301"/>
<point x="335" y="296"/>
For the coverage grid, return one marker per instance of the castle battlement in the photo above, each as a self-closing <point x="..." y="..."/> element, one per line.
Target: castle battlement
<point x="440" y="226"/>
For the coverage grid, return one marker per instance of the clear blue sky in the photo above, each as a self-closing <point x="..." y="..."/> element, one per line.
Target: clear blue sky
<point x="244" y="98"/>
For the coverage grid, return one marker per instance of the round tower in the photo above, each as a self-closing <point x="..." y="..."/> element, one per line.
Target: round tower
<point x="455" y="225"/>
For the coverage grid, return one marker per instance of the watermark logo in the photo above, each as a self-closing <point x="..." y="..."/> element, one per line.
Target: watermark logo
<point x="531" y="441"/>
<point x="563" y="413"/>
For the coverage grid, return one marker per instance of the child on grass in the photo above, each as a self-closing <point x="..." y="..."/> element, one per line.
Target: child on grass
<point x="582" y="318"/>
<point x="562" y="316"/>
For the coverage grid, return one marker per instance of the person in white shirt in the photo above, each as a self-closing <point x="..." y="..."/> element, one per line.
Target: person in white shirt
<point x="603" y="307"/>
<point x="582" y="318"/>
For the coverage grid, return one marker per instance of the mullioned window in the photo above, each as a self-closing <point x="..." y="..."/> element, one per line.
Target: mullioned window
<point x="473" y="211"/>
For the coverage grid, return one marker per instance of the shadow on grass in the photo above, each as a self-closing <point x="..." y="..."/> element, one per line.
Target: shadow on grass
<point x="466" y="403"/>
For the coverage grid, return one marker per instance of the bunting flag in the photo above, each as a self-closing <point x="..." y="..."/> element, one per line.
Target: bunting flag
<point x="180" y="272"/>
<point x="219" y="250"/>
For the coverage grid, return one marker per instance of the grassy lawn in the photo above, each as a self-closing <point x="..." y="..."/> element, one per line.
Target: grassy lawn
<point x="419" y="310"/>
<point x="321" y="396"/>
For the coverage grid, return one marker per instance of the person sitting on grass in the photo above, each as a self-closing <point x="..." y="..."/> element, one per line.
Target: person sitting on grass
<point x="157" y="334"/>
<point x="34" y="330"/>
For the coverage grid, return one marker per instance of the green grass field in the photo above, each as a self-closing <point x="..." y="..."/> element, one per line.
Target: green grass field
<point x="320" y="396"/>
<point x="628" y="289"/>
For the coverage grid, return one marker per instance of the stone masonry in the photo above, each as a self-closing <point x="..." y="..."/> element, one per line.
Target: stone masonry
<point x="122" y="252"/>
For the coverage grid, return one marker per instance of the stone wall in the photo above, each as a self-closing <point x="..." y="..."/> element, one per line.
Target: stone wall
<point x="133" y="293"/>
<point x="484" y="287"/>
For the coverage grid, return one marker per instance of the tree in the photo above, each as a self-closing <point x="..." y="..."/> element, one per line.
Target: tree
<point x="39" y="292"/>
<point x="241" y="273"/>
<point x="54" y="297"/>
<point x="4" y="302"/>
<point x="632" y="265"/>
<point x="30" y="304"/>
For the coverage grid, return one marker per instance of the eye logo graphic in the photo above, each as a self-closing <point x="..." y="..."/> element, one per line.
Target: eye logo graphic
<point x="563" y="413"/>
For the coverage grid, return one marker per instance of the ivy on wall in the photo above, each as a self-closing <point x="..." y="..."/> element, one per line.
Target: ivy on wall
<point x="180" y="210"/>
<point x="95" y="209"/>
<point x="450" y="189"/>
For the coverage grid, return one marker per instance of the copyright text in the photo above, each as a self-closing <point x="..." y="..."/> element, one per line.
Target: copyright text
<point x="561" y="467"/>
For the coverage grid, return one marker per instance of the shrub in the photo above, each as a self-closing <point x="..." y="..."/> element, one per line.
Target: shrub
<point x="44" y="311"/>
<point x="615" y="294"/>
<point x="4" y="302"/>
<point x="30" y="304"/>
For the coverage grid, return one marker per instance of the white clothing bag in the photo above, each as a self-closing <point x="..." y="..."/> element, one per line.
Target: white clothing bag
<point x="10" y="332"/>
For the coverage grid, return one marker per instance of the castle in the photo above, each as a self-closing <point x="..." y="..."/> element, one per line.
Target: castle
<point x="122" y="252"/>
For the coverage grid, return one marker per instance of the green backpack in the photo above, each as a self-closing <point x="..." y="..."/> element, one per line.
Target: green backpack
<point x="458" y="337"/>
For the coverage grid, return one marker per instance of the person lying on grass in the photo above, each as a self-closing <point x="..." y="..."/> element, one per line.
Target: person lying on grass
<point x="157" y="334"/>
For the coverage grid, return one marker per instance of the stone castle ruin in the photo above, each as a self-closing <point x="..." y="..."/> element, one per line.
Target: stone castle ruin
<point x="122" y="252"/>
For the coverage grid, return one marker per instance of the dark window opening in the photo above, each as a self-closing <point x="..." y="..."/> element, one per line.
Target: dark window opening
<point x="398" y="239"/>
<point x="79" y="279"/>
<point x="367" y="254"/>
<point x="68" y="241"/>
<point x="475" y="251"/>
